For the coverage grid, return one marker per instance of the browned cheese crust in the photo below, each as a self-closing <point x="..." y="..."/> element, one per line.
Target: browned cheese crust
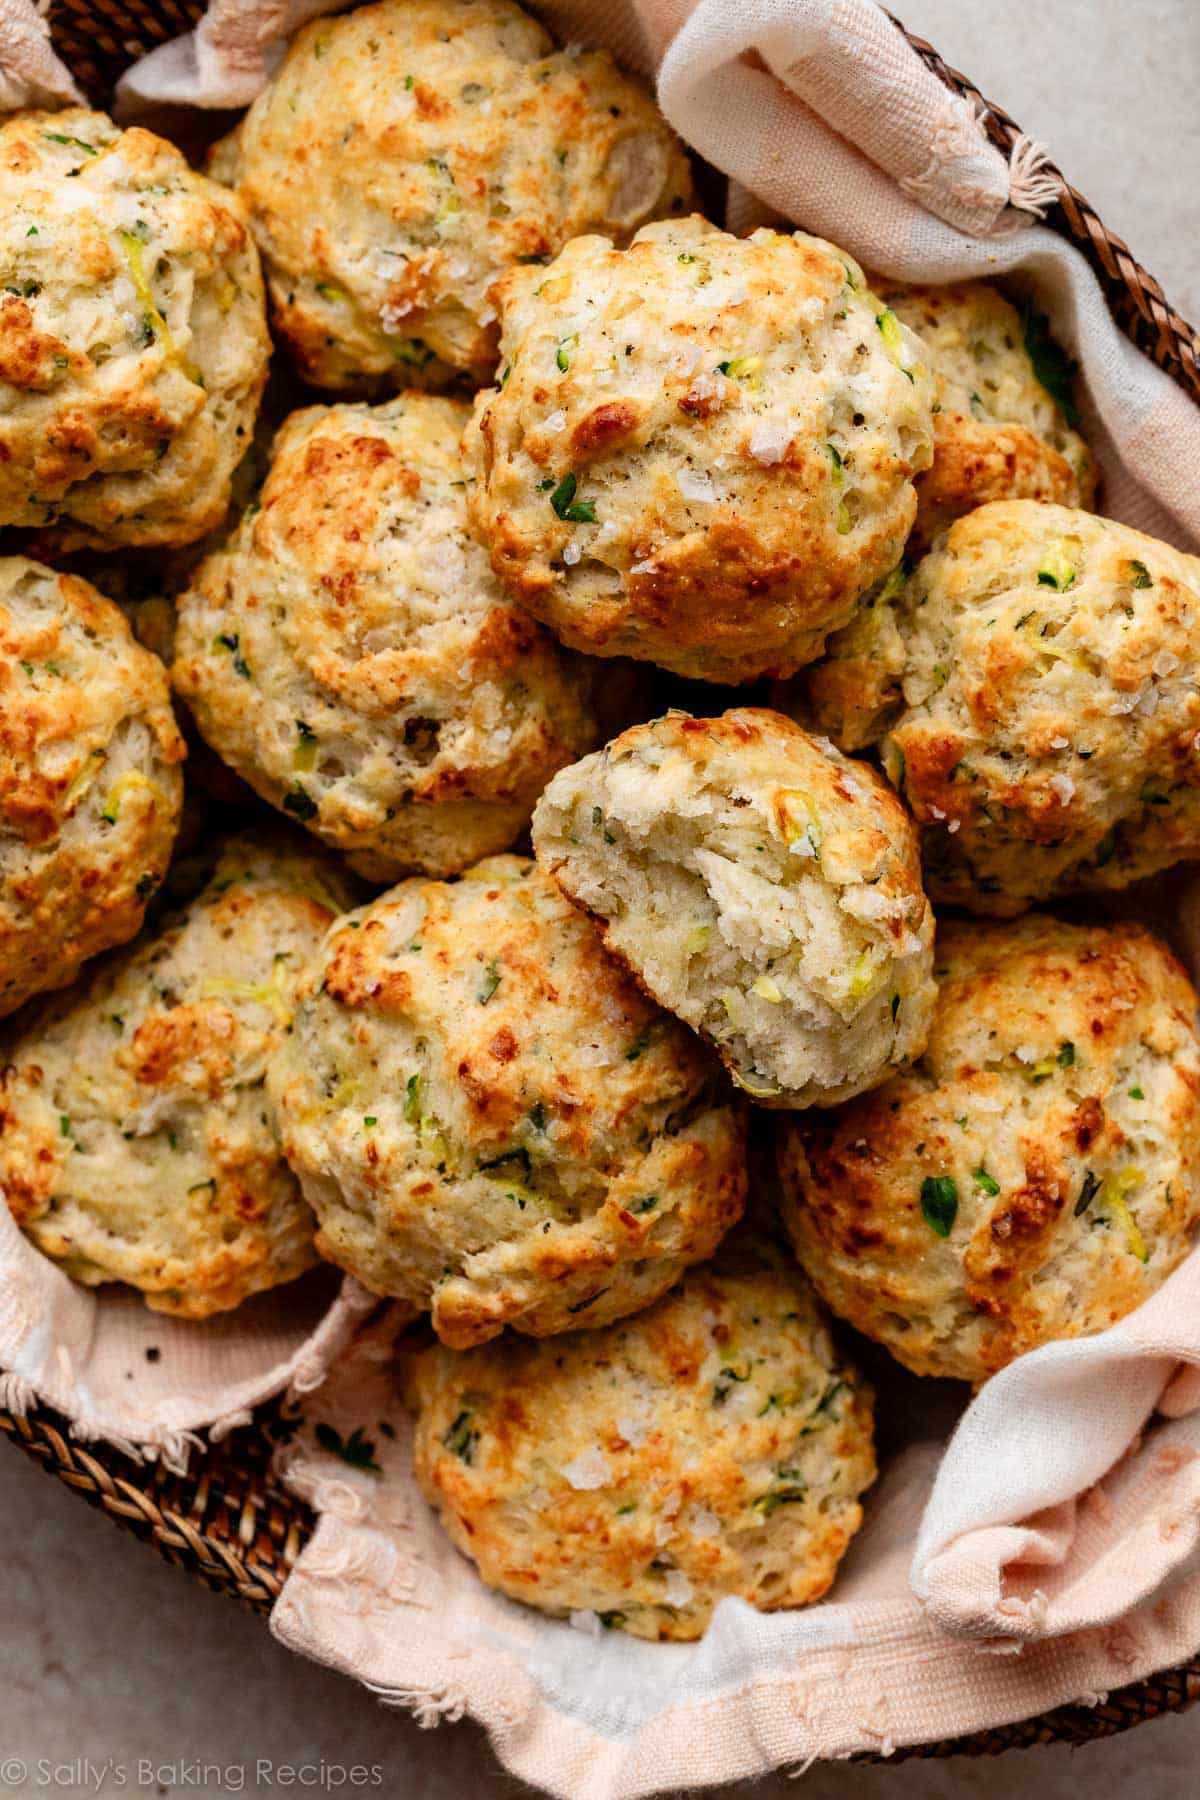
<point x="632" y="1478"/>
<point x="701" y="450"/>
<point x="1035" y="1175"/>
<point x="90" y="785"/>
<point x="492" y="1121"/>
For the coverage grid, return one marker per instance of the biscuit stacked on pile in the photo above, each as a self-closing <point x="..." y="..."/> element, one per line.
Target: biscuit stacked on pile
<point x="512" y="1091"/>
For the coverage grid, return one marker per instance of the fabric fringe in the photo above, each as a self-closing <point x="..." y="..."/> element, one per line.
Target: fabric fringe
<point x="1033" y="186"/>
<point x="16" y="1394"/>
<point x="231" y="1421"/>
<point x="171" y="1448"/>
<point x="427" y="1707"/>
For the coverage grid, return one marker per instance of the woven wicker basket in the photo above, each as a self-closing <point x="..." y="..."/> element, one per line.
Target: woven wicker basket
<point x="228" y="1522"/>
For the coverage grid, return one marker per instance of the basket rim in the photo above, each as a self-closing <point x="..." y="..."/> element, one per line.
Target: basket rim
<point x="1135" y="296"/>
<point x="98" y="39"/>
<point x="243" y="1540"/>
<point x="229" y="1522"/>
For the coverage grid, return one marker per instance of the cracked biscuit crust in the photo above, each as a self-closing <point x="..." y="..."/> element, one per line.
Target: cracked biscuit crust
<point x="350" y="653"/>
<point x="701" y="452"/>
<point x="715" y="1445"/>
<point x="133" y="337"/>
<point x="1035" y="1175"/>
<point x="90" y="784"/>
<point x="136" y="1143"/>
<point x="407" y="153"/>
<point x="492" y="1121"/>
<point x="760" y="885"/>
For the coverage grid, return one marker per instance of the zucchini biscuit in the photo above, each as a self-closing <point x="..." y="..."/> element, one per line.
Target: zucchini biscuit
<point x="702" y="448"/>
<point x="1048" y="737"/>
<point x="136" y="1143"/>
<point x="350" y="653"/>
<point x="491" y="1121"/>
<point x="133" y="338"/>
<point x="631" y="1478"/>
<point x="761" y="886"/>
<point x="407" y="153"/>
<point x="90" y="785"/>
<point x="1036" y="1175"/>
<point x="1002" y="429"/>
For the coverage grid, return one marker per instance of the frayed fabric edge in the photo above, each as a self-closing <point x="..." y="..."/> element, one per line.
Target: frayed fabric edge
<point x="1034" y="184"/>
<point x="428" y="1707"/>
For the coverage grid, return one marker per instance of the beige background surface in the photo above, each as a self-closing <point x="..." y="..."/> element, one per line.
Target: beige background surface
<point x="117" y="1673"/>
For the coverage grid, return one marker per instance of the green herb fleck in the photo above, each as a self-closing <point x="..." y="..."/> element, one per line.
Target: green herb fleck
<point x="646" y="1204"/>
<point x="742" y="368"/>
<point x="1066" y="1055"/>
<point x="577" y="512"/>
<point x="985" y="1183"/>
<point x="357" y="1449"/>
<point x="1141" y="574"/>
<point x="791" y="1490"/>
<point x="1135" y="1093"/>
<point x="566" y="349"/>
<point x="228" y="641"/>
<point x="893" y="338"/>
<point x="412" y="352"/>
<point x="73" y="143"/>
<point x="828" y="1397"/>
<point x="489" y="983"/>
<point x="1087" y="1193"/>
<point x="300" y="804"/>
<point x="460" y="1439"/>
<point x="1106" y="848"/>
<point x="412" y="1100"/>
<point x="724" y="1384"/>
<point x="939" y="1203"/>
<point x="304" y="756"/>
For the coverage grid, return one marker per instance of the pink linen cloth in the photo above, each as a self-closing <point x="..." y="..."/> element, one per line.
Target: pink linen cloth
<point x="1040" y="1553"/>
<point x="1043" y="1558"/>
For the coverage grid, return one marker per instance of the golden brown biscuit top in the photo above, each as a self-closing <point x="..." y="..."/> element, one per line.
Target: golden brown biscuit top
<point x="710" y="1443"/>
<point x="1046" y="658"/>
<point x="71" y="677"/>
<point x="406" y="154"/>
<point x="1060" y="1057"/>
<point x="701" y="447"/>
<point x="132" y="310"/>
<point x="136" y="1142"/>
<point x="530" y="1025"/>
